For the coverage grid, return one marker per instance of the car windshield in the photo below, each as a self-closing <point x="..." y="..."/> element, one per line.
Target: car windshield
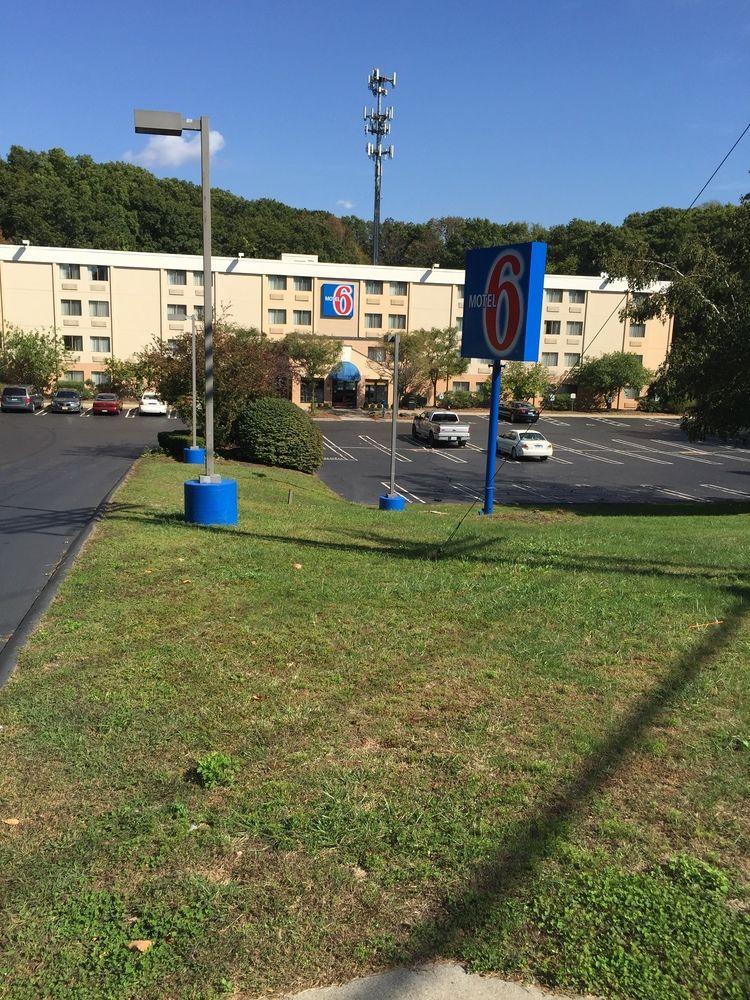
<point x="66" y="394"/>
<point x="446" y="418"/>
<point x="107" y="397"/>
<point x="532" y="436"/>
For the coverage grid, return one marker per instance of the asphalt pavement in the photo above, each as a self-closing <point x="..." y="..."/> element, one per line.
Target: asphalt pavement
<point x="597" y="459"/>
<point x="55" y="471"/>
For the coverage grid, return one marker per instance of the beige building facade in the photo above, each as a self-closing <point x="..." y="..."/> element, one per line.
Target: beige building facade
<point x="105" y="304"/>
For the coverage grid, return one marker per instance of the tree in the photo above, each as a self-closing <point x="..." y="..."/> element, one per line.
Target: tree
<point x="35" y="356"/>
<point x="708" y="293"/>
<point x="604" y="377"/>
<point x="312" y="356"/>
<point x="522" y="381"/>
<point x="412" y="375"/>
<point x="126" y="378"/>
<point x="440" y="357"/>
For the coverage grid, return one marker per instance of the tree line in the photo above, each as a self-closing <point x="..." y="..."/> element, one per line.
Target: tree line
<point x="53" y="199"/>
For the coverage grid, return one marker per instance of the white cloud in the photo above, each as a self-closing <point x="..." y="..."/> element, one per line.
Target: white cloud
<point x="345" y="203"/>
<point x="173" y="151"/>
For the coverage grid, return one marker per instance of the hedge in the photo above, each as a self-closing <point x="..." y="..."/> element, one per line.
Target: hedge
<point x="175" y="442"/>
<point x="274" y="431"/>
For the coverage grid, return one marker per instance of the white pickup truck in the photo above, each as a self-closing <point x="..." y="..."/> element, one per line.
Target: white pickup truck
<point x="440" y="427"/>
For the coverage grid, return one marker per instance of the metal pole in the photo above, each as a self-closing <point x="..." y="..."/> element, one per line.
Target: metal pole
<point x="394" y="422"/>
<point x="208" y="312"/>
<point x="489" y="477"/>
<point x="195" y="390"/>
<point x="376" y="211"/>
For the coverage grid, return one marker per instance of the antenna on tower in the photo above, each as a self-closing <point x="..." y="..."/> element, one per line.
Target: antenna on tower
<point x="377" y="124"/>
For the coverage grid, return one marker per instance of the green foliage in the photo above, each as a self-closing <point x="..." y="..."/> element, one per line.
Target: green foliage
<point x="524" y="381"/>
<point x="35" y="357"/>
<point x="84" y="389"/>
<point x="175" y="442"/>
<point x="126" y="378"/>
<point x="217" y="769"/>
<point x="459" y="399"/>
<point x="607" y="375"/>
<point x="437" y="351"/>
<point x="660" y="934"/>
<point x="562" y="401"/>
<point x="312" y="356"/>
<point x="276" y="432"/>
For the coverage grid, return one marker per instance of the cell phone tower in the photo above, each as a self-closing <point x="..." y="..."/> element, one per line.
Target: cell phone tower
<point x="378" y="124"/>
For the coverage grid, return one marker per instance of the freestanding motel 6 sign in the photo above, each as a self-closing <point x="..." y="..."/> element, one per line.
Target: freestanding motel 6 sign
<point x="502" y="321"/>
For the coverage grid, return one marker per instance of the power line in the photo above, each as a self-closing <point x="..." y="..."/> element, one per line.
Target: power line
<point x="742" y="135"/>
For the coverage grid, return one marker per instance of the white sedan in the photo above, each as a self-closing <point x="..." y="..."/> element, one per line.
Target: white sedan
<point x="151" y="405"/>
<point x="524" y="444"/>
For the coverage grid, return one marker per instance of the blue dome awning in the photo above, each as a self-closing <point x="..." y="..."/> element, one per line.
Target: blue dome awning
<point x="345" y="371"/>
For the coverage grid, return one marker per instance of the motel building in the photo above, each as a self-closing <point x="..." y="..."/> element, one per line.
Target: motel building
<point x="112" y="303"/>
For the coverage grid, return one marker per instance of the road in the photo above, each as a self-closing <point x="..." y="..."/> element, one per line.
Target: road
<point x="55" y="470"/>
<point x="598" y="459"/>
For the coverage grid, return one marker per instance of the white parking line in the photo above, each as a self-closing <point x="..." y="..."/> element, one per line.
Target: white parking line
<point x="473" y="447"/>
<point x="672" y="454"/>
<point x="465" y="490"/>
<point x="381" y="447"/>
<point x="584" y="454"/>
<point x="337" y="450"/>
<point x="529" y="489"/>
<point x="619" y="451"/>
<point x="726" y="451"/>
<point x="403" y="492"/>
<point x="725" y="489"/>
<point x="440" y="454"/>
<point x="40" y="413"/>
<point x="556" y="422"/>
<point x="554" y="458"/>
<point x="611" y="421"/>
<point x="679" y="496"/>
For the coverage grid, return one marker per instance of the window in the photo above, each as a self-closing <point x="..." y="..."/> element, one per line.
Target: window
<point x="639" y="298"/>
<point x="198" y="279"/>
<point x="553" y="294"/>
<point x="176" y="311"/>
<point x="460" y="291"/>
<point x="639" y="356"/>
<point x="571" y="360"/>
<point x="71" y="307"/>
<point x="549" y="359"/>
<point x="373" y="321"/>
<point x="459" y="323"/>
<point x="632" y="393"/>
<point x="198" y="310"/>
<point x="574" y="329"/>
<point x="396" y="322"/>
<point x="376" y="353"/>
<point x="309" y="386"/>
<point x="303" y="284"/>
<point x="72" y="342"/>
<point x="398" y="288"/>
<point x="637" y="330"/>
<point x="73" y="376"/>
<point x="97" y="308"/>
<point x="460" y="386"/>
<point x="374" y="287"/>
<point x="100" y="345"/>
<point x="551" y="327"/>
<point x="277" y="282"/>
<point x="176" y="278"/>
<point x="173" y="346"/>
<point x="277" y="317"/>
<point x="302" y="317"/>
<point x="70" y="272"/>
<point x="98" y="272"/>
<point x="99" y="378"/>
<point x="576" y="297"/>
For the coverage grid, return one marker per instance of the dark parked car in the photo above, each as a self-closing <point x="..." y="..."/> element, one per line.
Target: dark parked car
<point x="518" y="412"/>
<point x="106" y="402"/>
<point x="66" y="401"/>
<point x="21" y="397"/>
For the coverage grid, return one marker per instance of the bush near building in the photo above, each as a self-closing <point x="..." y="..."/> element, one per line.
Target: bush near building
<point x="275" y="431"/>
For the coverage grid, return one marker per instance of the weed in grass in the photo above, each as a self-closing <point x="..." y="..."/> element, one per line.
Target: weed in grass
<point x="217" y="769"/>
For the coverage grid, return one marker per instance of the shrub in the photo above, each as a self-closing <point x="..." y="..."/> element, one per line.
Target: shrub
<point x="458" y="400"/>
<point x="562" y="401"/>
<point x="274" y="431"/>
<point x="217" y="769"/>
<point x="175" y="442"/>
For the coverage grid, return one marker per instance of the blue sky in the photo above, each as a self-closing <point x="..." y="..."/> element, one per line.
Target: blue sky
<point x="542" y="110"/>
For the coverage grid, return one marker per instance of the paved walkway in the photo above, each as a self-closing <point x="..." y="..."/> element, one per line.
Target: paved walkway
<point x="430" y="982"/>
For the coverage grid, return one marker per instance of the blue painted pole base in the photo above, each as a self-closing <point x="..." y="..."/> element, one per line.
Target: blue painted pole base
<point x="211" y="503"/>
<point x="392" y="503"/>
<point x="194" y="456"/>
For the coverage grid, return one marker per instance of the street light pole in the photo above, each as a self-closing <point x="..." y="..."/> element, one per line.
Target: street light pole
<point x="195" y="388"/>
<point x="394" y="421"/>
<point x="208" y="315"/>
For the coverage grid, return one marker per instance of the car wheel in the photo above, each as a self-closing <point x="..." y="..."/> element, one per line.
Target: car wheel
<point x="544" y="458"/>
<point x="414" y="432"/>
<point x="516" y="455"/>
<point x="433" y="442"/>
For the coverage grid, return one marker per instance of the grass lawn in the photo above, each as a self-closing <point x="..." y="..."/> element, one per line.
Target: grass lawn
<point x="529" y="750"/>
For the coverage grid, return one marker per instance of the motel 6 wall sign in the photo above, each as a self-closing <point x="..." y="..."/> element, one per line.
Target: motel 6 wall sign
<point x="503" y="302"/>
<point x="337" y="301"/>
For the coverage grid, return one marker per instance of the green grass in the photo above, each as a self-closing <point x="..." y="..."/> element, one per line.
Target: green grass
<point x="326" y="742"/>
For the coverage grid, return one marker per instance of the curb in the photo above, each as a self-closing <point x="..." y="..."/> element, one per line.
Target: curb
<point x="27" y="625"/>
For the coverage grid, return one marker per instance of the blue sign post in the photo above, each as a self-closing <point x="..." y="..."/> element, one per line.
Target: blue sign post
<point x="502" y="321"/>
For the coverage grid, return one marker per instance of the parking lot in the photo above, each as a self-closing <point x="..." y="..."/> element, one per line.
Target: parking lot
<point x="597" y="459"/>
<point x="55" y="470"/>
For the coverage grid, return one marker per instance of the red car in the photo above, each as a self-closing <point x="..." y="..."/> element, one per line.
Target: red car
<point x="107" y="402"/>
